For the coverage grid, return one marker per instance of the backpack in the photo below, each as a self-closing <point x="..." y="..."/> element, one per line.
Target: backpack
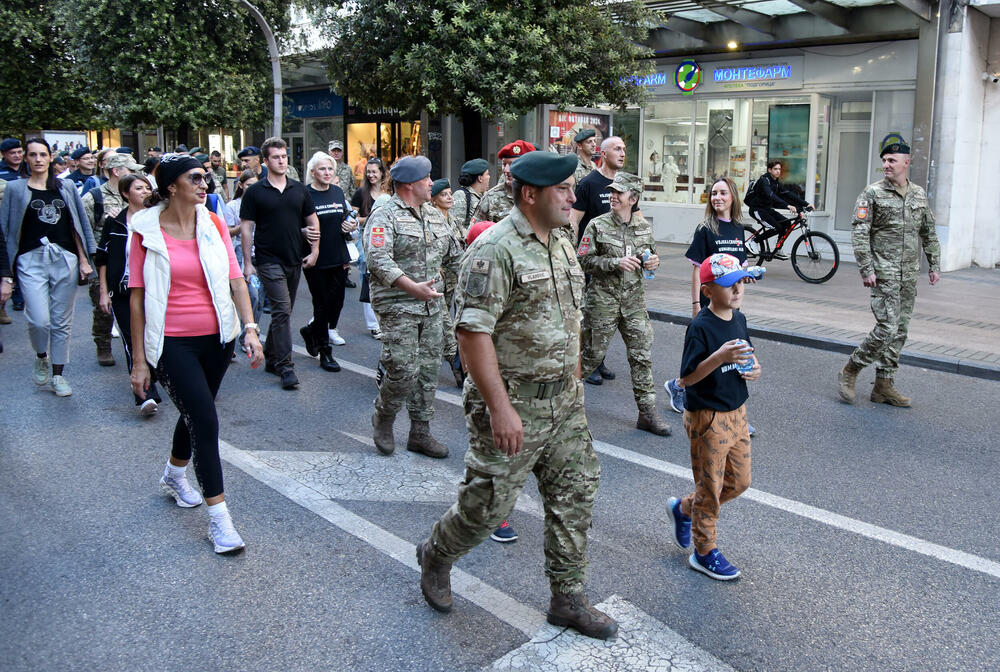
<point x="752" y="198"/>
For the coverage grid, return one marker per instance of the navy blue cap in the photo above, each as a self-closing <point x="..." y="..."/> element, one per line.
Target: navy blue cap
<point x="439" y="186"/>
<point x="410" y="169"/>
<point x="9" y="144"/>
<point x="249" y="151"/>
<point x="124" y="150"/>
<point x="78" y="152"/>
<point x="543" y="169"/>
<point x="475" y="167"/>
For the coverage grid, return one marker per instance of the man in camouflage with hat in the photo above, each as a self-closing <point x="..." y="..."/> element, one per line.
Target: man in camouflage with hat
<point x="498" y="201"/>
<point x="474" y="181"/>
<point x="611" y="252"/>
<point x="344" y="173"/>
<point x="407" y="243"/>
<point x="102" y="203"/>
<point x="518" y="321"/>
<point x="586" y="145"/>
<point x="891" y="219"/>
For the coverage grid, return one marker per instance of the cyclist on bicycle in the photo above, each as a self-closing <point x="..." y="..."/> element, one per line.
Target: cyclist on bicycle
<point x="769" y="193"/>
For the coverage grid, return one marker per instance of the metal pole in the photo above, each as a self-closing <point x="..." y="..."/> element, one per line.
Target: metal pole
<point x="272" y="48"/>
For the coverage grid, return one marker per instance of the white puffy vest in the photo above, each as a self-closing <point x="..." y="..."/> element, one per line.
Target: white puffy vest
<point x="156" y="275"/>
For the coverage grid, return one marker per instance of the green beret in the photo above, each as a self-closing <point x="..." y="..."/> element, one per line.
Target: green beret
<point x="195" y="150"/>
<point x="201" y="157"/>
<point x="543" y="169"/>
<point x="584" y="134"/>
<point x="439" y="186"/>
<point x="624" y="182"/>
<point x="475" y="167"/>
<point x="893" y="144"/>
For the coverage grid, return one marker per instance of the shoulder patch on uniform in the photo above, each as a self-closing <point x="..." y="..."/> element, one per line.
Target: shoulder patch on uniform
<point x="378" y="229"/>
<point x="533" y="276"/>
<point x="480" y="266"/>
<point x="862" y="212"/>
<point x="584" y="246"/>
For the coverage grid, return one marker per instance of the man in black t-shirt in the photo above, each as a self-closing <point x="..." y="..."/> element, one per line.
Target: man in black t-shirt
<point x="277" y="217"/>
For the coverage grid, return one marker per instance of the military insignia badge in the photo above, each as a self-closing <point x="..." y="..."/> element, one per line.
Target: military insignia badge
<point x="584" y="245"/>
<point x="480" y="266"/>
<point x="516" y="149"/>
<point x="378" y="229"/>
<point x="862" y="212"/>
<point x="378" y="240"/>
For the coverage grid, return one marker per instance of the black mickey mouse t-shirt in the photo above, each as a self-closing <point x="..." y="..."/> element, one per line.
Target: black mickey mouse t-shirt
<point x="47" y="215"/>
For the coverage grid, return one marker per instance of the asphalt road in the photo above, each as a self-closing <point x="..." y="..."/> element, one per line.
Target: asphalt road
<point x="870" y="538"/>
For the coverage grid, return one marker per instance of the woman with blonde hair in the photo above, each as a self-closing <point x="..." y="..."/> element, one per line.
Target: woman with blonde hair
<point x="328" y="277"/>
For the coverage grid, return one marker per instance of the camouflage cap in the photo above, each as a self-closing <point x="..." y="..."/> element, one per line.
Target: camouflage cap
<point x="335" y="144"/>
<point x="626" y="182"/>
<point x="893" y="144"/>
<point x="117" y="160"/>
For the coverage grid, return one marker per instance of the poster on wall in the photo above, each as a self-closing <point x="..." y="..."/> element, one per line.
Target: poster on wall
<point x="788" y="141"/>
<point x="564" y="125"/>
<point x="68" y="140"/>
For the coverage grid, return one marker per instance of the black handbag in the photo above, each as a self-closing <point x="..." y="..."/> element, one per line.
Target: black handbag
<point x="365" y="290"/>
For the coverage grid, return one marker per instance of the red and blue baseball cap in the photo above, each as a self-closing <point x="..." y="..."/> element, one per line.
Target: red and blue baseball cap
<point x="724" y="270"/>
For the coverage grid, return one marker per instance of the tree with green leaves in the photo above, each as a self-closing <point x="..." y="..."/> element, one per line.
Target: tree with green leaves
<point x="498" y="59"/>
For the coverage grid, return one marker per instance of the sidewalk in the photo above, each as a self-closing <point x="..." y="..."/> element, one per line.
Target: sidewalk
<point x="836" y="315"/>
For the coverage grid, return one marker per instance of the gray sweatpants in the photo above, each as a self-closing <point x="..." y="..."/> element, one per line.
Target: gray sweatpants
<point x="47" y="276"/>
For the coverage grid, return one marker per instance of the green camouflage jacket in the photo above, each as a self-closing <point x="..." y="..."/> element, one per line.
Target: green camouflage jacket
<point x="888" y="229"/>
<point x="606" y="240"/>
<point x="494" y="205"/>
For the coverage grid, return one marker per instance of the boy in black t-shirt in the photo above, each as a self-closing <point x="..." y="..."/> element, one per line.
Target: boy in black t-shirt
<point x="715" y="413"/>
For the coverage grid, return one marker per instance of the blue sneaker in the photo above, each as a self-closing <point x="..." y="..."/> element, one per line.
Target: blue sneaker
<point x="682" y="524"/>
<point x="713" y="564"/>
<point x="504" y="534"/>
<point x="751" y="429"/>
<point x="676" y="395"/>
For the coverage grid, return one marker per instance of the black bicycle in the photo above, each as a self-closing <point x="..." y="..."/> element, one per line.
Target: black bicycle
<point x="815" y="257"/>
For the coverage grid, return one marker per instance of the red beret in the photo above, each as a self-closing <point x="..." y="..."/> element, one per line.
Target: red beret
<point x="515" y="149"/>
<point x="476" y="229"/>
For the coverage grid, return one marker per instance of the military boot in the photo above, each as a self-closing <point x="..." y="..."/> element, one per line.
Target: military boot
<point x="576" y="612"/>
<point x="421" y="441"/>
<point x="651" y="422"/>
<point x="885" y="393"/>
<point x="385" y="443"/>
<point x="104" y="356"/>
<point x="435" y="578"/>
<point x="846" y="379"/>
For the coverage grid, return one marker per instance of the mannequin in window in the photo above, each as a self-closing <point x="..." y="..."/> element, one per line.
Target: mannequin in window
<point x="670" y="173"/>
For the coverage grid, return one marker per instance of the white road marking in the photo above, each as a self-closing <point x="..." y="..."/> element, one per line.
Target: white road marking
<point x="950" y="555"/>
<point x="643" y="643"/>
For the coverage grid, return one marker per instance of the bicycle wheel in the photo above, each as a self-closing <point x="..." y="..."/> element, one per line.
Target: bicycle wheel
<point x="752" y="247"/>
<point x="817" y="259"/>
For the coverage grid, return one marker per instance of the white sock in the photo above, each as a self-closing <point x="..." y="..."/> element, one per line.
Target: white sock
<point x="218" y="510"/>
<point x="174" y="472"/>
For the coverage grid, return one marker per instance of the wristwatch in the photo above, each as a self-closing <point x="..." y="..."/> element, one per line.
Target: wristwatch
<point x="251" y="325"/>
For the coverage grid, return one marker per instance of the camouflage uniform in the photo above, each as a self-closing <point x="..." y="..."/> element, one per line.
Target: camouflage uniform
<point x="583" y="169"/>
<point x="528" y="296"/>
<point x="346" y="177"/>
<point x="616" y="299"/>
<point x="400" y="240"/>
<point x="466" y="200"/>
<point x="887" y="231"/>
<point x="494" y="205"/>
<point x="449" y="346"/>
<point x="113" y="203"/>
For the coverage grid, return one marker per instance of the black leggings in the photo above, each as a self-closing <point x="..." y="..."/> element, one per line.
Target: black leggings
<point x="326" y="285"/>
<point x="191" y="369"/>
<point x="122" y="313"/>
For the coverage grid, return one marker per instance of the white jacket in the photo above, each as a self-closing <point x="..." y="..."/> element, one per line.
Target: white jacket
<point x="156" y="276"/>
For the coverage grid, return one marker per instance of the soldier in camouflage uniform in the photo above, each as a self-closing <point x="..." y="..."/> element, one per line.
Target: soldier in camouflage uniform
<point x="344" y="174"/>
<point x="498" y="201"/>
<point x="891" y="219"/>
<point x="117" y="167"/>
<point x="407" y="243"/>
<point x="610" y="252"/>
<point x="219" y="175"/>
<point x="519" y="311"/>
<point x="443" y="201"/>
<point x="474" y="181"/>
<point x="586" y="145"/>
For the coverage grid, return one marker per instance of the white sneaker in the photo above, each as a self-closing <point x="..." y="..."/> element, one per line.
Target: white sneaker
<point x="335" y="338"/>
<point x="222" y="533"/>
<point x="41" y="373"/>
<point x="376" y="334"/>
<point x="182" y="492"/>
<point x="114" y="331"/>
<point x="148" y="408"/>
<point x="61" y="387"/>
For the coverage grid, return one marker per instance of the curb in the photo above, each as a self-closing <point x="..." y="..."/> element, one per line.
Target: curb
<point x="962" y="367"/>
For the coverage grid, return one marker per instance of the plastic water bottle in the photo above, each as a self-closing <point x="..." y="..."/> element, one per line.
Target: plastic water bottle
<point x="748" y="367"/>
<point x="255" y="282"/>
<point x="757" y="272"/>
<point x="646" y="273"/>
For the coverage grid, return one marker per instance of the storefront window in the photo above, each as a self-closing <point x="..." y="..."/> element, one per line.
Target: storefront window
<point x="410" y="138"/>
<point x="626" y="127"/>
<point x="664" y="156"/>
<point x="781" y="131"/>
<point x="822" y="141"/>
<point x="362" y="143"/>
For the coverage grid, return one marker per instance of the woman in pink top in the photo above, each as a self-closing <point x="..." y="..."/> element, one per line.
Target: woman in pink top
<point x="183" y="279"/>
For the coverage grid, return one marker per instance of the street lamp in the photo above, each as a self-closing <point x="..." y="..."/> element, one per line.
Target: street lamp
<point x="272" y="49"/>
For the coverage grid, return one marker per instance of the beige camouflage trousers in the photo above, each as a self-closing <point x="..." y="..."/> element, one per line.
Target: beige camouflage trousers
<point x="720" y="461"/>
<point x="599" y="326"/>
<point x="410" y="362"/>
<point x="559" y="452"/>
<point x="892" y="305"/>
